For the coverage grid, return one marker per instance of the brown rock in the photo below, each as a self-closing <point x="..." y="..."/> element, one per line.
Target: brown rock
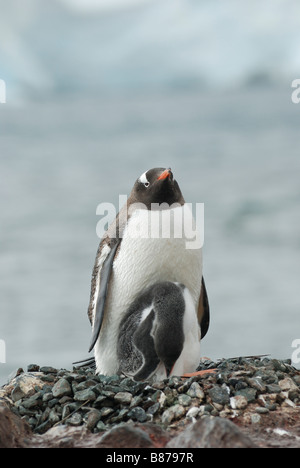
<point x="14" y="431"/>
<point x="24" y="384"/>
<point x="124" y="436"/>
<point x="211" y="433"/>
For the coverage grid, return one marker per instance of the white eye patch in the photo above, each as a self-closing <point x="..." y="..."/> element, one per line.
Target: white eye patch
<point x="143" y="179"/>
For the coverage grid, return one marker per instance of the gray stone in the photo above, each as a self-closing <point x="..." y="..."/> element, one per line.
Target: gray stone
<point x="136" y="401"/>
<point x="288" y="385"/>
<point x="65" y="399"/>
<point x="124" y="436"/>
<point x="219" y="395"/>
<point x="101" y="426"/>
<point x="123" y="397"/>
<point x="185" y="386"/>
<point x="255" y="418"/>
<point x="92" y="418"/>
<point x="33" y="368"/>
<point x="249" y="393"/>
<point x="184" y="400"/>
<point x="66" y="411"/>
<point x="153" y="409"/>
<point x="107" y="393"/>
<point x="17" y="394"/>
<point x="106" y="412"/>
<point x="61" y="388"/>
<point x="273" y="388"/>
<point x="48" y="370"/>
<point x="195" y="391"/>
<point x="211" y="433"/>
<point x="241" y="385"/>
<point x="296" y="379"/>
<point x="271" y="406"/>
<point x="86" y="384"/>
<point x="53" y="417"/>
<point x="52" y="402"/>
<point x="257" y="383"/>
<point x="261" y="410"/>
<point x="43" y="427"/>
<point x="74" y="420"/>
<point x="138" y="414"/>
<point x="238" y="402"/>
<point x="48" y="378"/>
<point x="100" y="399"/>
<point x="120" y="416"/>
<point x="172" y="413"/>
<point x="33" y="401"/>
<point x="85" y="395"/>
<point x="47" y="397"/>
<point x="278" y="365"/>
<point x="193" y="412"/>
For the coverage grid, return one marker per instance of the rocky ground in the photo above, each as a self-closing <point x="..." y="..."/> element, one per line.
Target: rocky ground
<point x="247" y="402"/>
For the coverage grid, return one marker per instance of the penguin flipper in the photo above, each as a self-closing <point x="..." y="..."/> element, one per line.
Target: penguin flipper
<point x="203" y="310"/>
<point x="105" y="274"/>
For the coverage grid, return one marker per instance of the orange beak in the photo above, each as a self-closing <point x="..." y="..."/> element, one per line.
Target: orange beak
<point x="164" y="174"/>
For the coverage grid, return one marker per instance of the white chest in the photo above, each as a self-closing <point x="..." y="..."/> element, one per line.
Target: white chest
<point x="153" y="249"/>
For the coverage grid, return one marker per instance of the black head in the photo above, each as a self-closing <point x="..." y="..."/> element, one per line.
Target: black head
<point x="156" y="186"/>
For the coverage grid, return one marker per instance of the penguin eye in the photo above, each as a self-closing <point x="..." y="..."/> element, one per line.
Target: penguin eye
<point x="146" y="184"/>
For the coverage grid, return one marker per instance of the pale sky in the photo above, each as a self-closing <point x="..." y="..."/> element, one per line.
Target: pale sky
<point x="102" y="4"/>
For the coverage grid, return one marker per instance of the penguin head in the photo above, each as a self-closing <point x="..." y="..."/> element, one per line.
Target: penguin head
<point x="157" y="186"/>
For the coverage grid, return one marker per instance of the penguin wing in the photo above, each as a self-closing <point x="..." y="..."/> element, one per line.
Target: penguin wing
<point x="103" y="251"/>
<point x="100" y="282"/>
<point x="102" y="271"/>
<point x="203" y="310"/>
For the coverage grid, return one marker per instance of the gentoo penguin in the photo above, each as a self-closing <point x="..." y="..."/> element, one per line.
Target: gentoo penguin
<point x="131" y="257"/>
<point x="159" y="336"/>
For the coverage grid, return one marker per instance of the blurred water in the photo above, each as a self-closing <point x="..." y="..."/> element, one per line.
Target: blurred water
<point x="238" y="152"/>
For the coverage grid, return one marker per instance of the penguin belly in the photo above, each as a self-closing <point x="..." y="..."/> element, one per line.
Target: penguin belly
<point x="189" y="358"/>
<point x="146" y="256"/>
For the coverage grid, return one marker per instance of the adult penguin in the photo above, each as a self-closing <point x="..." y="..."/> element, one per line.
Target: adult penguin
<point x="147" y="243"/>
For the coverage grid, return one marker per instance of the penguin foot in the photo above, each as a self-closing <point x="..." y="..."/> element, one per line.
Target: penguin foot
<point x="199" y="373"/>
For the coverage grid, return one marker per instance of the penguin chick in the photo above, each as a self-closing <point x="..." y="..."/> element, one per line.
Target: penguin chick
<point x="159" y="336"/>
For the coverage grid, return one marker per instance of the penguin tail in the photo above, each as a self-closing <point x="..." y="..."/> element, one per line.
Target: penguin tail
<point x="88" y="362"/>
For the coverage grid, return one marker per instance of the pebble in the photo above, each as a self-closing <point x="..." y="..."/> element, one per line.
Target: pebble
<point x="17" y="393"/>
<point x="184" y="400"/>
<point x="61" y="388"/>
<point x="48" y="370"/>
<point x="85" y="395"/>
<point x="123" y="397"/>
<point x="249" y="393"/>
<point x="273" y="388"/>
<point x="262" y="410"/>
<point x="174" y="412"/>
<point x="74" y="420"/>
<point x="193" y="412"/>
<point x="138" y="414"/>
<point x="32" y="401"/>
<point x="92" y="418"/>
<point x="238" y="402"/>
<point x="255" y="418"/>
<point x="288" y="385"/>
<point x="46" y="396"/>
<point x="257" y="383"/>
<point x="219" y="395"/>
<point x="195" y="391"/>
